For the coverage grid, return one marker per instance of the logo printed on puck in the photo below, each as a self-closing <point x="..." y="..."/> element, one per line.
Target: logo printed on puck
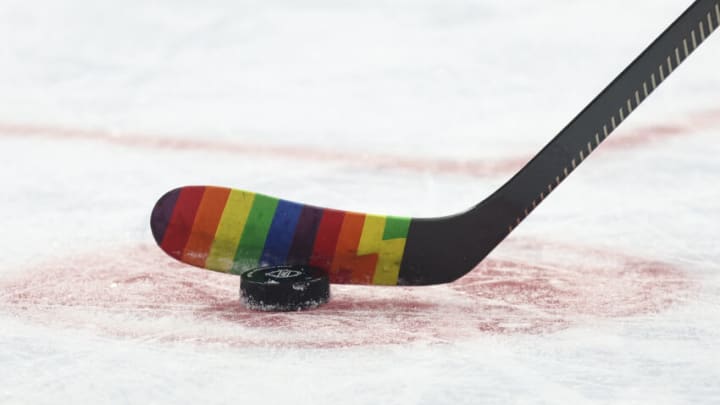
<point x="283" y="273"/>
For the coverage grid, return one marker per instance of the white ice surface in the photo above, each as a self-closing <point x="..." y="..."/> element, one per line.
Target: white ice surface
<point x="347" y="87"/>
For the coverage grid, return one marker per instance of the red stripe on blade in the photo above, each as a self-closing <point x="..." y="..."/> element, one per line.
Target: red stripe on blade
<point x="326" y="239"/>
<point x="181" y="223"/>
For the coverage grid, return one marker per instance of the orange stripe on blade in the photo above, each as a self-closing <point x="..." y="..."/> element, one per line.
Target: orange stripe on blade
<point x="206" y="223"/>
<point x="347" y="266"/>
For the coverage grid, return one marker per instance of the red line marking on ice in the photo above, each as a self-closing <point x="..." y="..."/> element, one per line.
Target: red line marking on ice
<point x="138" y="292"/>
<point x="303" y="153"/>
<point x="498" y="166"/>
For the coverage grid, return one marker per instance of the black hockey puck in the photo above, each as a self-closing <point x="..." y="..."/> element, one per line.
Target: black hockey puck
<point x="284" y="288"/>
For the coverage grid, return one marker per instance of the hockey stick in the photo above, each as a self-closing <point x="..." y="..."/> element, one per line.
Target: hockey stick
<point x="234" y="231"/>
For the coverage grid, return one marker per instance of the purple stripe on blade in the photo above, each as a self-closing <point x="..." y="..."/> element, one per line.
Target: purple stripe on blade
<point x="162" y="213"/>
<point x="304" y="240"/>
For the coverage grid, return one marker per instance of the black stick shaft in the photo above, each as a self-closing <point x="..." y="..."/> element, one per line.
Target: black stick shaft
<point x="440" y="250"/>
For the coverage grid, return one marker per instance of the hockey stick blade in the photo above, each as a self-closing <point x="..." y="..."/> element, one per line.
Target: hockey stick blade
<point x="233" y="231"/>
